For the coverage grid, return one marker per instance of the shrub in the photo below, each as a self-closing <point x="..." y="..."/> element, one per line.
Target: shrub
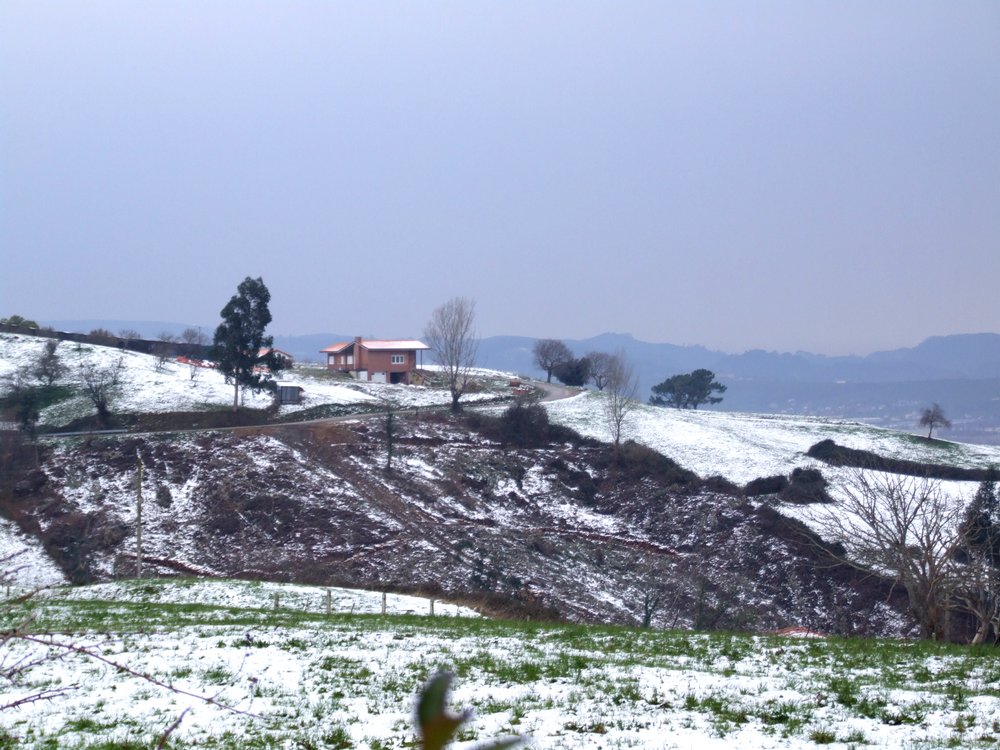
<point x="806" y="486"/>
<point x="525" y="424"/>
<point x="765" y="485"/>
<point x="639" y="461"/>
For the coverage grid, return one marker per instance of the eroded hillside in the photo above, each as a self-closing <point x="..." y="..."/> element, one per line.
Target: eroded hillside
<point x="556" y="526"/>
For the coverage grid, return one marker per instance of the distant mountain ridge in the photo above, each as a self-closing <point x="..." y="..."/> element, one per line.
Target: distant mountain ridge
<point x="888" y="388"/>
<point x="958" y="356"/>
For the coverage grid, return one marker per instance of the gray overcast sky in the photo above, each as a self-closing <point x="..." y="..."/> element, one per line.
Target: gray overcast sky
<point x="782" y="175"/>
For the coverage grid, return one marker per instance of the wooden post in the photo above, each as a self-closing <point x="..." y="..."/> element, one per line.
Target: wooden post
<point x="432" y="607"/>
<point x="275" y="601"/>
<point x="138" y="515"/>
<point x="383" y="602"/>
<point x="329" y="602"/>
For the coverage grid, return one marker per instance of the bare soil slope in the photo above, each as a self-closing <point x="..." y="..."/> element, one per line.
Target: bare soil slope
<point x="555" y="527"/>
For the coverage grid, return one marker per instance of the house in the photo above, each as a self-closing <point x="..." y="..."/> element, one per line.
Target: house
<point x="284" y="356"/>
<point x="375" y="360"/>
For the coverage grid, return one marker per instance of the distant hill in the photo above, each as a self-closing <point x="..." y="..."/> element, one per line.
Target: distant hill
<point x="960" y="372"/>
<point x="888" y="388"/>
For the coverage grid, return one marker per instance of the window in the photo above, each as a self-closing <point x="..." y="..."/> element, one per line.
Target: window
<point x="399" y="359"/>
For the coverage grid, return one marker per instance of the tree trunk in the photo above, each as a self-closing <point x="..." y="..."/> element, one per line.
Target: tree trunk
<point x="236" y="397"/>
<point x="981" y="632"/>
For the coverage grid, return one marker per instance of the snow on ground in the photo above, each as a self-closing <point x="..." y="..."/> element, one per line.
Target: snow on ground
<point x="742" y="447"/>
<point x="351" y="682"/>
<point x="151" y="386"/>
<point x="257" y="595"/>
<point x="23" y="562"/>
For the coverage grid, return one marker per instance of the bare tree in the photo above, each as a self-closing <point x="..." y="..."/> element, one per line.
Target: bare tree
<point x="27" y="400"/>
<point x="903" y="527"/>
<point x="451" y="334"/>
<point x="194" y="341"/>
<point x="601" y="364"/>
<point x="549" y="353"/>
<point x="977" y="592"/>
<point x="933" y="416"/>
<point x="193" y="337"/>
<point x="164" y="348"/>
<point x="100" y="383"/>
<point x="48" y="368"/>
<point x="622" y="388"/>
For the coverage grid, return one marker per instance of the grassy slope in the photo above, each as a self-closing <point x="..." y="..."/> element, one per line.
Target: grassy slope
<point x="308" y="680"/>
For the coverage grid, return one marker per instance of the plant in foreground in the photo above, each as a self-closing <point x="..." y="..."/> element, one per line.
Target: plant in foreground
<point x="438" y="726"/>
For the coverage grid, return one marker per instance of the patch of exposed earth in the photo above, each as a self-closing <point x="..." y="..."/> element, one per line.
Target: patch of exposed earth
<point x="566" y="528"/>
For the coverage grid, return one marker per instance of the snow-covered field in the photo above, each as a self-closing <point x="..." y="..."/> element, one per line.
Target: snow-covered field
<point x="300" y="679"/>
<point x="297" y="680"/>
<point x="151" y="386"/>
<point x="742" y="447"/>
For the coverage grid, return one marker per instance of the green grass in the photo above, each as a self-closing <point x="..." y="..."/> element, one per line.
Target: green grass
<point x="520" y="668"/>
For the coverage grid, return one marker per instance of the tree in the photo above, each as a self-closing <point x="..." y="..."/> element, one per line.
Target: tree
<point x="194" y="343"/>
<point x="27" y="402"/>
<point x="129" y="335"/>
<point x="573" y="371"/>
<point x="100" y="384"/>
<point x="687" y="391"/>
<point x="933" y="416"/>
<point x="549" y="354"/>
<point x="47" y="369"/>
<point x="622" y="387"/>
<point x="450" y="333"/>
<point x="600" y="368"/>
<point x="241" y="350"/>
<point x="977" y="592"/>
<point x="17" y="320"/>
<point x="164" y="348"/>
<point x="194" y="339"/>
<point x="905" y="527"/>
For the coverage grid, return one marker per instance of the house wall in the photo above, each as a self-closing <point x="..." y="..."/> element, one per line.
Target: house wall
<point x="364" y="363"/>
<point x="396" y="372"/>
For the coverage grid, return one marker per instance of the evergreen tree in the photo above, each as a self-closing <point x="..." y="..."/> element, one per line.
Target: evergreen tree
<point x="688" y="391"/>
<point x="241" y="350"/>
<point x="980" y="527"/>
<point x="573" y="371"/>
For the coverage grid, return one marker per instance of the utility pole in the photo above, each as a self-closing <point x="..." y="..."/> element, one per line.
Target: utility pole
<point x="138" y="515"/>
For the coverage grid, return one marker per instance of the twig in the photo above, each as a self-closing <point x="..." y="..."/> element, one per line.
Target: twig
<point x="170" y="730"/>
<point x="141" y="675"/>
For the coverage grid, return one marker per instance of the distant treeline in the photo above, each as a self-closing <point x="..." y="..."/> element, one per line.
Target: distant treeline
<point x="838" y="455"/>
<point x="143" y="346"/>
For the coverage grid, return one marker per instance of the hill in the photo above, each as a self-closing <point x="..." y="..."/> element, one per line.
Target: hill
<point x="537" y="521"/>
<point x="887" y="388"/>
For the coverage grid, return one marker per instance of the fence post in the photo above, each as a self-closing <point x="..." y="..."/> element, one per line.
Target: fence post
<point x="276" y="601"/>
<point x="383" y="602"/>
<point x="329" y="602"/>
<point x="432" y="607"/>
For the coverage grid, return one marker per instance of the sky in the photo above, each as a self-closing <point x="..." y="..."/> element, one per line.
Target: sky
<point x="819" y="176"/>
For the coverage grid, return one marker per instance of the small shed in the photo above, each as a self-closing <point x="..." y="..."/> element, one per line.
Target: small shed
<point x="289" y="394"/>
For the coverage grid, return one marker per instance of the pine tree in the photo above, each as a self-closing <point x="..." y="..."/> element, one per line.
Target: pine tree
<point x="241" y="350"/>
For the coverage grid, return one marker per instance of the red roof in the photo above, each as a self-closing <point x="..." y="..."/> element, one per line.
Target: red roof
<point x="378" y="344"/>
